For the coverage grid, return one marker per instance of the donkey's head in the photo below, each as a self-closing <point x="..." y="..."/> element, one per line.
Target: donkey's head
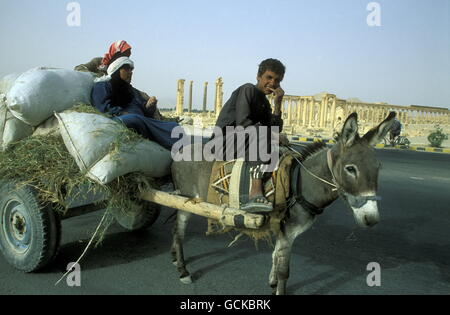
<point x="355" y="168"/>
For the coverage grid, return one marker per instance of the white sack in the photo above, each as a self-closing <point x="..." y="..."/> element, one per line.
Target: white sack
<point x="49" y="126"/>
<point x="11" y="128"/>
<point x="7" y="82"/>
<point x="39" y="92"/>
<point x="89" y="139"/>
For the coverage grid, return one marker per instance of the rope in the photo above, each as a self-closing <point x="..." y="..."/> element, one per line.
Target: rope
<point x="85" y="250"/>
<point x="313" y="175"/>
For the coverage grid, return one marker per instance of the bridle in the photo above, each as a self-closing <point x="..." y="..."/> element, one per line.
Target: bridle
<point x="352" y="200"/>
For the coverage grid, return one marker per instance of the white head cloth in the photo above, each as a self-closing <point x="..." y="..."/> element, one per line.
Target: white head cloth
<point x="113" y="67"/>
<point x="118" y="63"/>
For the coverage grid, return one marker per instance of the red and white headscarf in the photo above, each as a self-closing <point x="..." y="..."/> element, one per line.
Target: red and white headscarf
<point x="117" y="47"/>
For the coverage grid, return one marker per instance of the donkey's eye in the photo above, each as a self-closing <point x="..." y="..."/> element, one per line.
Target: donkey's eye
<point x="351" y="169"/>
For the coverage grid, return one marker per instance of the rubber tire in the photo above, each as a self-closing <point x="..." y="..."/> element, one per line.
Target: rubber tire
<point x="44" y="225"/>
<point x="140" y="218"/>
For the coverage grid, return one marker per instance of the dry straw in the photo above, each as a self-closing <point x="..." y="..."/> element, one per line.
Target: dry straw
<point x="44" y="163"/>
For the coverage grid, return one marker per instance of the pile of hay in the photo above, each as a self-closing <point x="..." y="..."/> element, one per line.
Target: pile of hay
<point x="44" y="163"/>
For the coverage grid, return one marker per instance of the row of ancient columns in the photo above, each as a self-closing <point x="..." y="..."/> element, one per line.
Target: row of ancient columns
<point x="428" y="117"/>
<point x="307" y="111"/>
<point x="370" y="113"/>
<point x="373" y="113"/>
<point x="218" y="98"/>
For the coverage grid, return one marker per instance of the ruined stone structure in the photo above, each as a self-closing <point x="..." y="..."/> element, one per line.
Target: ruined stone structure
<point x="323" y="114"/>
<point x="218" y="98"/>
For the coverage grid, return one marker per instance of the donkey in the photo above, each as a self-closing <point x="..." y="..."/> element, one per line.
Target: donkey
<point x="349" y="169"/>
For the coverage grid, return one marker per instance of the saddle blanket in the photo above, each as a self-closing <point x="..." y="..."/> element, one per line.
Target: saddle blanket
<point x="230" y="183"/>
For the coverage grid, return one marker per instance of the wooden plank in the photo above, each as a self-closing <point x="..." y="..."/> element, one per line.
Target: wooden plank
<point x="228" y="216"/>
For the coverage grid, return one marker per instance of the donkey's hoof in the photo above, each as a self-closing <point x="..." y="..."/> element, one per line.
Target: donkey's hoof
<point x="186" y="280"/>
<point x="175" y="263"/>
<point x="274" y="288"/>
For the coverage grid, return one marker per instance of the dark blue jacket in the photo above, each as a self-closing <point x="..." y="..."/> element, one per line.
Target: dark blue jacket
<point x="101" y="99"/>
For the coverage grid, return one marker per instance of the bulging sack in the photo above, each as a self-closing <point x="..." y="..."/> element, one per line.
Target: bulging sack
<point x="91" y="139"/>
<point x="7" y="82"/>
<point x="38" y="93"/>
<point x="11" y="128"/>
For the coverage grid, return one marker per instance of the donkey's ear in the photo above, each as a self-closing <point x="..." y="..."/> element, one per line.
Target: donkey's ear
<point x="350" y="130"/>
<point x="377" y="134"/>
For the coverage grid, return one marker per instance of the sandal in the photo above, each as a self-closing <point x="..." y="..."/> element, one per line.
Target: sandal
<point x="257" y="204"/>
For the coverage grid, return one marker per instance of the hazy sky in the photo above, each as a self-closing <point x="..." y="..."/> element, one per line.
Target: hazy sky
<point x="326" y="45"/>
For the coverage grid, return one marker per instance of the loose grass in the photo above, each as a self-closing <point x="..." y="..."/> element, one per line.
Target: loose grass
<point x="44" y="163"/>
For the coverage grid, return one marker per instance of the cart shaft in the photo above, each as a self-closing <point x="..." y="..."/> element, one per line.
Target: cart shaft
<point x="228" y="216"/>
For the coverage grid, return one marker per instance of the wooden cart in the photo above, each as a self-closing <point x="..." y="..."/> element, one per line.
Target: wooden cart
<point x="30" y="233"/>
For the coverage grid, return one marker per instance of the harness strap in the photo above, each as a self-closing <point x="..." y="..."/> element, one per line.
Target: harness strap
<point x="297" y="195"/>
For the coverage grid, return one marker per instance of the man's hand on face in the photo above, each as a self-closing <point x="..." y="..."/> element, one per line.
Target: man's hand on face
<point x="278" y="93"/>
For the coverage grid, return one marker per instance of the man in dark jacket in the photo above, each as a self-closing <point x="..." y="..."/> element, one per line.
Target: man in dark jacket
<point x="115" y="96"/>
<point x="248" y="107"/>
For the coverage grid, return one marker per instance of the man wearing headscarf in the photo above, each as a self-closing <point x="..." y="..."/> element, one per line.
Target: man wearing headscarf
<point x="117" y="49"/>
<point x="114" y="95"/>
<point x="99" y="65"/>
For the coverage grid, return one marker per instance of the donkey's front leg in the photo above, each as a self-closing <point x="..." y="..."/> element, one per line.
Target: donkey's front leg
<point x="300" y="222"/>
<point x="280" y="265"/>
<point x="177" y="246"/>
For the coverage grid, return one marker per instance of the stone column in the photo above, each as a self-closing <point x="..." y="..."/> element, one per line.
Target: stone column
<point x="308" y="109"/>
<point x="289" y="113"/>
<point x="333" y="112"/>
<point x="321" y="111"/>
<point x="304" y="110"/>
<point x="205" y="96"/>
<point x="326" y="110"/>
<point x="180" y="97"/>
<point x="218" y="97"/>
<point x="311" y="111"/>
<point x="299" y="108"/>
<point x="190" y="96"/>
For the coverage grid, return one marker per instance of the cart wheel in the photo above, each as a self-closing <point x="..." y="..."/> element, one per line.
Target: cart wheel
<point x="29" y="233"/>
<point x="140" y="217"/>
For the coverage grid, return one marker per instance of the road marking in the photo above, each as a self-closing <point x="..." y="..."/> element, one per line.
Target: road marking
<point x="417" y="178"/>
<point x="442" y="178"/>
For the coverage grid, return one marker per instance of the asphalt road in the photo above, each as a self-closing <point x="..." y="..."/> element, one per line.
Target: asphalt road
<point x="411" y="244"/>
